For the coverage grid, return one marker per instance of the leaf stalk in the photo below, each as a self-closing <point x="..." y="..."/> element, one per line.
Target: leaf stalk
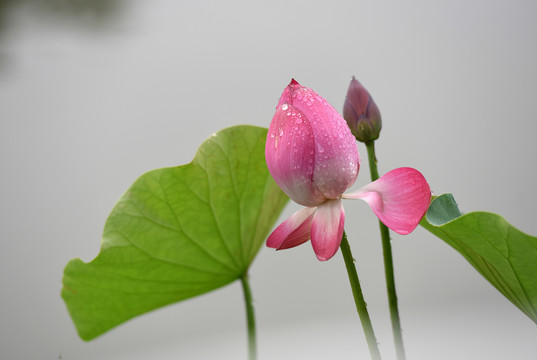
<point x="250" y="317"/>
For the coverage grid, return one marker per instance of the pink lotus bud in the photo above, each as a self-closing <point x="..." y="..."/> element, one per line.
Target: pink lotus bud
<point x="310" y="150"/>
<point x="313" y="157"/>
<point x="361" y="113"/>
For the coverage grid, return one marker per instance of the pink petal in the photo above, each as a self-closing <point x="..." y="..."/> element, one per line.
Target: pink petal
<point x="336" y="160"/>
<point x="290" y="154"/>
<point x="293" y="231"/>
<point x="400" y="198"/>
<point x="327" y="229"/>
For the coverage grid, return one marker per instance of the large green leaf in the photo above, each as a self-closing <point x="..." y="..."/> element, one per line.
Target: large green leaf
<point x="504" y="255"/>
<point x="178" y="232"/>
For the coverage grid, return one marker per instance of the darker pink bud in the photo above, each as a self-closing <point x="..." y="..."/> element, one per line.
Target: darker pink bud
<point x="361" y="113"/>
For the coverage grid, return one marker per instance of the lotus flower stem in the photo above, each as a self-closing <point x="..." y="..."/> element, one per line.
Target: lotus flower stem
<point x="388" y="264"/>
<point x="361" y="305"/>
<point x="250" y="317"/>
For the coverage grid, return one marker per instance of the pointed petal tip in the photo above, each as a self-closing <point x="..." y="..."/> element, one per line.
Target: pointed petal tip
<point x="273" y="241"/>
<point x="324" y="258"/>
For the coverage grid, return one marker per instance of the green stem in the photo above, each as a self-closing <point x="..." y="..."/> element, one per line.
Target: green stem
<point x="250" y="317"/>
<point x="388" y="264"/>
<point x="361" y="305"/>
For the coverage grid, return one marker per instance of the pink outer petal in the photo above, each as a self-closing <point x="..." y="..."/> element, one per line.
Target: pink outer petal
<point x="400" y="198"/>
<point x="336" y="154"/>
<point x="293" y="231"/>
<point x="327" y="229"/>
<point x="290" y="155"/>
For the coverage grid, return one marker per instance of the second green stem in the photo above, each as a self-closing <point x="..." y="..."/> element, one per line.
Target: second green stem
<point x="388" y="264"/>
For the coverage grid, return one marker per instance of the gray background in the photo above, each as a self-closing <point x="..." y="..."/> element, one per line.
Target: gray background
<point x="92" y="98"/>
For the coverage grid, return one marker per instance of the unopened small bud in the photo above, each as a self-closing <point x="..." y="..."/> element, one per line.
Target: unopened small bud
<point x="361" y="113"/>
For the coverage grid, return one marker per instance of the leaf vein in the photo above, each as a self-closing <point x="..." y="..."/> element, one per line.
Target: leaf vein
<point x="188" y="236"/>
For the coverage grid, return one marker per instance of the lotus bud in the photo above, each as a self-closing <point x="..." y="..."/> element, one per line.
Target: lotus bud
<point x="361" y="113"/>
